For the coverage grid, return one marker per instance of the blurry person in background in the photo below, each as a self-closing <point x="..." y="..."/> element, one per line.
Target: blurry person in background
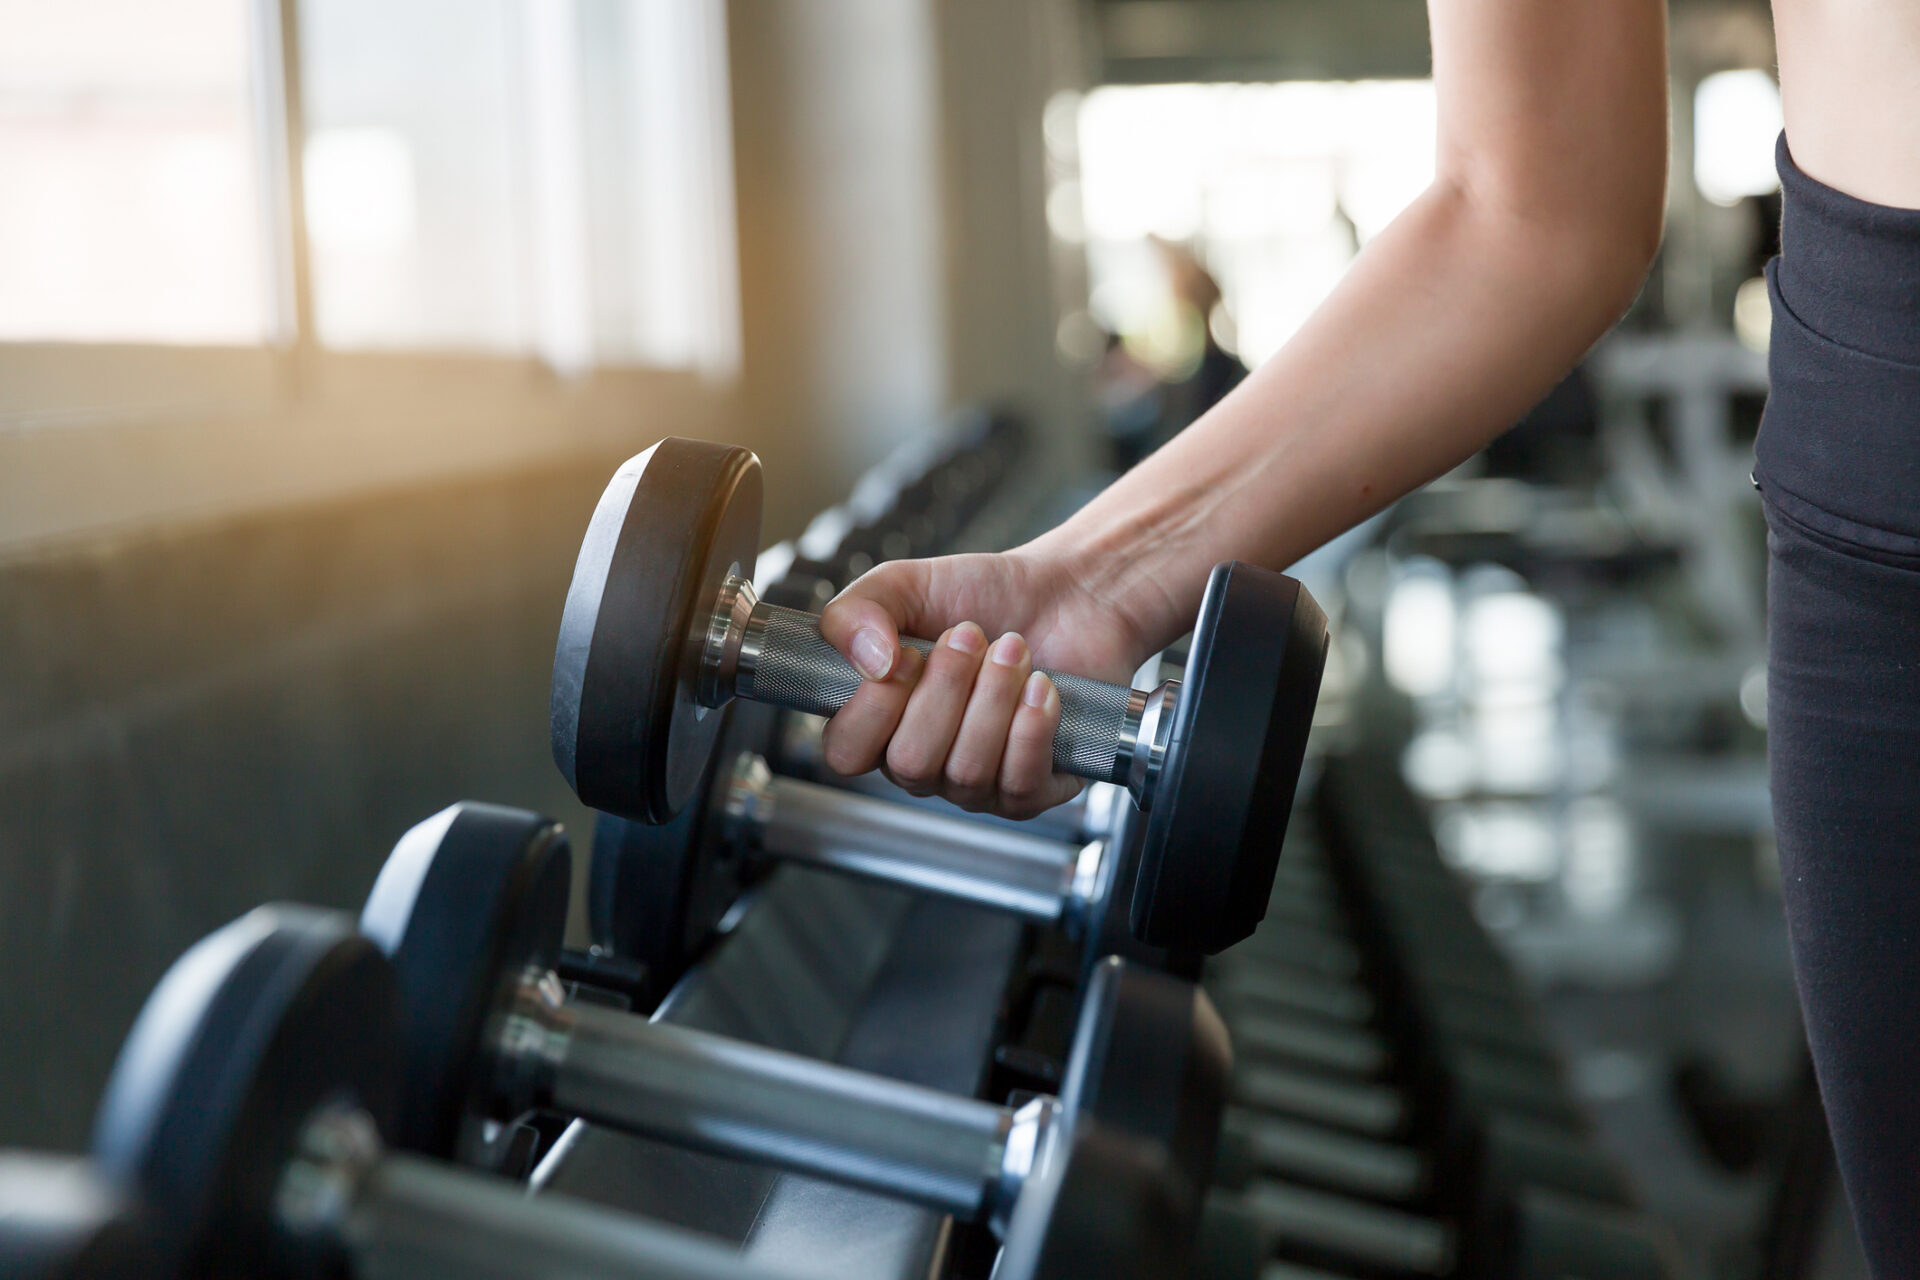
<point x="1132" y="403"/>
<point x="1197" y="297"/>
<point x="1144" y="407"/>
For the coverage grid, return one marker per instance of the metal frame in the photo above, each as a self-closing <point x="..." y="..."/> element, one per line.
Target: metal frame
<point x="853" y="973"/>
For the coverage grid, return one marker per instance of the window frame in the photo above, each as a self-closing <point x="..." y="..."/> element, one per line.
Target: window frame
<point x="108" y="437"/>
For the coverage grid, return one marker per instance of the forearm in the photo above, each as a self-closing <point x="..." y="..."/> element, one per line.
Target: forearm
<point x="1451" y="324"/>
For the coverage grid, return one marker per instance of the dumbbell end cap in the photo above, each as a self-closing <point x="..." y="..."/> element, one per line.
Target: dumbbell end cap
<point x="467" y="901"/>
<point x="1233" y="761"/>
<point x="628" y="732"/>
<point x="248" y="1035"/>
<point x="1103" y="1210"/>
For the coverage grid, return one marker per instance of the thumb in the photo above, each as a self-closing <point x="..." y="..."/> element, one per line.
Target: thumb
<point x="864" y="621"/>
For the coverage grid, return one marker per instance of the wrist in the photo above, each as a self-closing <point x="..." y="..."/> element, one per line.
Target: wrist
<point x="1133" y="571"/>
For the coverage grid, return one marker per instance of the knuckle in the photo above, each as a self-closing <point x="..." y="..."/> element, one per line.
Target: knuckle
<point x="949" y="670"/>
<point x="971" y="799"/>
<point x="969" y="773"/>
<point x="848" y="760"/>
<point x="846" y="754"/>
<point x="910" y="763"/>
<point x="1019" y="807"/>
<point x="1019" y="787"/>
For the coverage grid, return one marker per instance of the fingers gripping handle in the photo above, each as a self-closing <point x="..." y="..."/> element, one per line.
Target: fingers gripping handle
<point x="785" y="661"/>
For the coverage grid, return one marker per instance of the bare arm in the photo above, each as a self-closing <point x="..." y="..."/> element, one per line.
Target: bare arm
<point x="1544" y="213"/>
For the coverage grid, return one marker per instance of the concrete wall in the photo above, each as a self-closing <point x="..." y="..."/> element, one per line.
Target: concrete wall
<point x="837" y="179"/>
<point x="205" y="719"/>
<point x="1000" y="63"/>
<point x="895" y="258"/>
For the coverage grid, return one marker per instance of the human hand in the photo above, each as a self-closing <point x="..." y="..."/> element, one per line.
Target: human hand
<point x="972" y="721"/>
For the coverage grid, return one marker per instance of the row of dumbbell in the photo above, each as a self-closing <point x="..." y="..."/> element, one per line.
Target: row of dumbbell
<point x="1521" y="1119"/>
<point x="1392" y="1128"/>
<point x="456" y="910"/>
<point x="459" y="909"/>
<point x="662" y="630"/>
<point x="1451" y="999"/>
<point x="297" y="1092"/>
<point x="1363" y="1150"/>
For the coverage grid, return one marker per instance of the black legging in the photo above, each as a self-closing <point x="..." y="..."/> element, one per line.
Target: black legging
<point x="1839" y="470"/>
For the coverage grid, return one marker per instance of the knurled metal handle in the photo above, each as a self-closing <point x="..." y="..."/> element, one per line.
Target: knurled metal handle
<point x="786" y="662"/>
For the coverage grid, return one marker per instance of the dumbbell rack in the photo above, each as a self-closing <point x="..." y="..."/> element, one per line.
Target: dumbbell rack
<point x="1400" y="1111"/>
<point x="849" y="972"/>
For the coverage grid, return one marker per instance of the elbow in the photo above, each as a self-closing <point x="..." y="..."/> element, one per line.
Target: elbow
<point x="1614" y="224"/>
<point x="1591" y="254"/>
<point x="1624" y="245"/>
<point x="1587" y="232"/>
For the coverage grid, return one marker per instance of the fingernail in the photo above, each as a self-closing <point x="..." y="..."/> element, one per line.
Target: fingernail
<point x="1009" y="650"/>
<point x="872" y="654"/>
<point x="967" y="638"/>
<point x="1038" y="686"/>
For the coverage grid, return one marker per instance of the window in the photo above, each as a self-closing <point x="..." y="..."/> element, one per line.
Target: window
<point x="129" y="162"/>
<point x="1275" y="187"/>
<point x="415" y="211"/>
<point x="539" y="176"/>
<point x="517" y="177"/>
<point x="262" y="251"/>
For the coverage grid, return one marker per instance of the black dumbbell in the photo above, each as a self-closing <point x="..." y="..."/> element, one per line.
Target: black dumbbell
<point x="1307" y="1138"/>
<point x="1356" y="1052"/>
<point x="654" y="892"/>
<point x="471" y="907"/>
<point x="661" y="628"/>
<point x="248" y="1106"/>
<point x="1488" y="1124"/>
<point x="1254" y="1145"/>
<point x="61" y="1220"/>
<point x="1543" y="1236"/>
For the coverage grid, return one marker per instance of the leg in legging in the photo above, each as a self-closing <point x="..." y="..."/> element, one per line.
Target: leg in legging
<point x="1844" y="739"/>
